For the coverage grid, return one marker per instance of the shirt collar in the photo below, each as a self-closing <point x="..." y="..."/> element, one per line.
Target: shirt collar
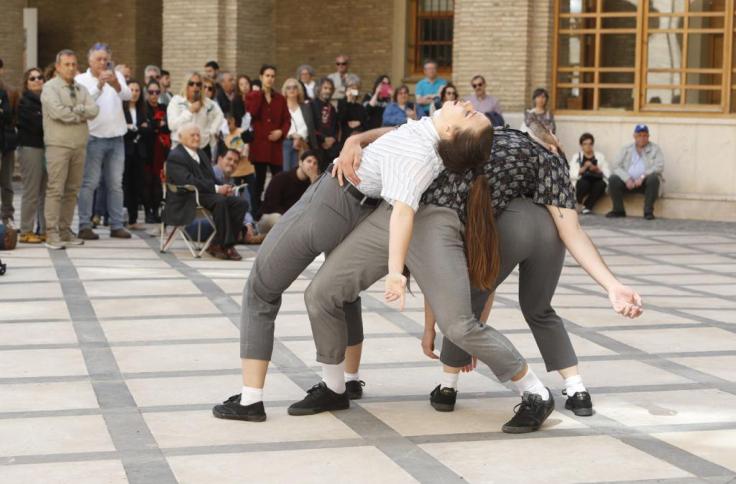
<point x="192" y="153"/>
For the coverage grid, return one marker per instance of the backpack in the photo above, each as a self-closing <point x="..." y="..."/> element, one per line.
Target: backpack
<point x="8" y="237"/>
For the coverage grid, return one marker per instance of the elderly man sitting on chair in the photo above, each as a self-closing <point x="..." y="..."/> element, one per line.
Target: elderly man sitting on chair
<point x="189" y="165"/>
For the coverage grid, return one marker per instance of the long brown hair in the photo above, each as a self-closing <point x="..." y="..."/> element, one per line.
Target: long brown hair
<point x="469" y="150"/>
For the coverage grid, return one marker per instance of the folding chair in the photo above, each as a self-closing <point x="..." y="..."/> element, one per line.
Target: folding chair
<point x="196" y="246"/>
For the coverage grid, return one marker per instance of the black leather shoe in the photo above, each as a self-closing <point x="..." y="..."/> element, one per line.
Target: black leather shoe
<point x="580" y="404"/>
<point x="530" y="414"/>
<point x="615" y="214"/>
<point x="443" y="399"/>
<point x="354" y="389"/>
<point x="649" y="216"/>
<point x="231" y="409"/>
<point x="320" y="399"/>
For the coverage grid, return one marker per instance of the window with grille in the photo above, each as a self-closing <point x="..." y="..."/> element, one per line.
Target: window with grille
<point x="431" y="33"/>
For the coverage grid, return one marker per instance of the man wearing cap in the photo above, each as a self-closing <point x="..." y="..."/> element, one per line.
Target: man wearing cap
<point x="637" y="168"/>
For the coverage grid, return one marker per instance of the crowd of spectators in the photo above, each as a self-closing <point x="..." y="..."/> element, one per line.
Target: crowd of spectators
<point x="98" y="140"/>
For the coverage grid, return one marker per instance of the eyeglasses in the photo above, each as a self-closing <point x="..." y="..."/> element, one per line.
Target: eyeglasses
<point x="341" y="63"/>
<point x="209" y="88"/>
<point x="192" y="84"/>
<point x="450" y="93"/>
<point x="476" y="86"/>
<point x="150" y="91"/>
<point x="35" y="78"/>
<point x="288" y="88"/>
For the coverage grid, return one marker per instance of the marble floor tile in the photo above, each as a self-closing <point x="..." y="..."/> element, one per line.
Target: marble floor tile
<point x="143" y="287"/>
<point x="89" y="472"/>
<point x="95" y="273"/>
<point x="720" y="315"/>
<point x="206" y="389"/>
<point x="160" y="306"/>
<point x="600" y="318"/>
<point x="30" y="291"/>
<point x="527" y="346"/>
<point x="398" y="349"/>
<point x="470" y="416"/>
<point x="685" y="279"/>
<point x="720" y="366"/>
<point x="178" y="357"/>
<point x="19" y="311"/>
<point x="200" y="428"/>
<point x="685" y="340"/>
<point x="717" y="446"/>
<point x="421" y="381"/>
<point x="618" y="373"/>
<point x="28" y="274"/>
<point x="24" y="397"/>
<point x="597" y="458"/>
<point x="313" y="466"/>
<point x="53" y="435"/>
<point x="37" y="363"/>
<point x="717" y="289"/>
<point x="169" y="329"/>
<point x="639" y="409"/>
<point x="37" y="333"/>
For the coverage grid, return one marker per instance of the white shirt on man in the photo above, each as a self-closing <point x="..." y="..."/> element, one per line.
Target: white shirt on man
<point x="400" y="165"/>
<point x="110" y="122"/>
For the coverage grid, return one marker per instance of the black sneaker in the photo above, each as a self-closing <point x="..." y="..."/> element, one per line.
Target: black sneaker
<point x="580" y="404"/>
<point x="320" y="399"/>
<point x="530" y="414"/>
<point x="443" y="399"/>
<point x="615" y="214"/>
<point x="354" y="389"/>
<point x="649" y="216"/>
<point x="231" y="409"/>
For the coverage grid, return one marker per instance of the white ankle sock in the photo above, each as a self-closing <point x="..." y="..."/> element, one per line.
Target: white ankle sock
<point x="449" y="380"/>
<point x="573" y="385"/>
<point x="530" y="383"/>
<point x="334" y="377"/>
<point x="352" y="376"/>
<point x="250" y="395"/>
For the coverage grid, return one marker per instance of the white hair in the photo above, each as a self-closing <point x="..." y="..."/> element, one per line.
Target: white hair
<point x="186" y="128"/>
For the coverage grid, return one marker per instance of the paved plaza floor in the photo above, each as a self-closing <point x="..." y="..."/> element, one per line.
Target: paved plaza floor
<point x="112" y="355"/>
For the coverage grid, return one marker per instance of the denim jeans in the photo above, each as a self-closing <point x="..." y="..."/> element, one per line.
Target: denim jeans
<point x="99" y="205"/>
<point x="291" y="156"/>
<point x="104" y="155"/>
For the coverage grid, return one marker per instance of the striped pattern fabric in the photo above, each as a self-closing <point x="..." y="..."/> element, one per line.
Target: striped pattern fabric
<point x="401" y="165"/>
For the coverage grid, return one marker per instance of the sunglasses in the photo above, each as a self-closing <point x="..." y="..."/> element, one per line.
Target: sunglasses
<point x="35" y="78"/>
<point x="192" y="84"/>
<point x="153" y="92"/>
<point x="341" y="63"/>
<point x="288" y="88"/>
<point x="475" y="86"/>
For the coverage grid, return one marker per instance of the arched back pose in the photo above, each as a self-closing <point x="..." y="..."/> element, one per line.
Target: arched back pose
<point x="398" y="168"/>
<point x="437" y="261"/>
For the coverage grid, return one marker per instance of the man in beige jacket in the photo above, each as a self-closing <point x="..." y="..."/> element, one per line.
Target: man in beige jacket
<point x="66" y="108"/>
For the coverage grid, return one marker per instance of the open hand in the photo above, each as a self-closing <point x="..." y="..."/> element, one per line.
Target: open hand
<point x="625" y="301"/>
<point x="347" y="163"/>
<point x="395" y="289"/>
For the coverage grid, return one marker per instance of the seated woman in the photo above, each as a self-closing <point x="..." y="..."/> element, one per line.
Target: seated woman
<point x="437" y="260"/>
<point x="589" y="171"/>
<point x="401" y="110"/>
<point x="327" y="213"/>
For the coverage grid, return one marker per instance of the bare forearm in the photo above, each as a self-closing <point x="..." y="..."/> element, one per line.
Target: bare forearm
<point x="400" y="230"/>
<point x="581" y="247"/>
<point x="429" y="318"/>
<point x="368" y="137"/>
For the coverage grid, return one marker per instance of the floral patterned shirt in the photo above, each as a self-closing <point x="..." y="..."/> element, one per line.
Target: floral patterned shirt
<point x="518" y="168"/>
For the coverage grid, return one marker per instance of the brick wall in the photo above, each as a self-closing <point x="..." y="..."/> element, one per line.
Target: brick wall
<point x="131" y="28"/>
<point x="508" y="43"/>
<point x="13" y="41"/>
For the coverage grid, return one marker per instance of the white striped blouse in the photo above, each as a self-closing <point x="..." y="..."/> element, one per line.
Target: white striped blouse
<point x="400" y="165"/>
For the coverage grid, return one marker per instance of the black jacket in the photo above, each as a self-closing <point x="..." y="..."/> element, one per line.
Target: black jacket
<point x="139" y="141"/>
<point x="30" y="121"/>
<point x="182" y="169"/>
<point x="6" y="121"/>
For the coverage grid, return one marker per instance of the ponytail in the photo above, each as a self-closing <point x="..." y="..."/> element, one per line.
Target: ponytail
<point x="481" y="239"/>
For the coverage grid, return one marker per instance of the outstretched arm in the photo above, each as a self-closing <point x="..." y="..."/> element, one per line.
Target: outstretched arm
<point x="401" y="225"/>
<point x="624" y="300"/>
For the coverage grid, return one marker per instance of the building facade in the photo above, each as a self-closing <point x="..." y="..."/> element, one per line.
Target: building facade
<point x="608" y="64"/>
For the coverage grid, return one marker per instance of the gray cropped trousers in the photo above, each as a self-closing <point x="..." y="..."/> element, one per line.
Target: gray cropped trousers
<point x="528" y="238"/>
<point x="317" y="223"/>
<point x="437" y="261"/>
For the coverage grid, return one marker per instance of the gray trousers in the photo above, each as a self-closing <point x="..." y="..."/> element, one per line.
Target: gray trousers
<point x="529" y="239"/>
<point x="7" y="166"/>
<point x="34" y="176"/>
<point x="436" y="259"/>
<point x="317" y="223"/>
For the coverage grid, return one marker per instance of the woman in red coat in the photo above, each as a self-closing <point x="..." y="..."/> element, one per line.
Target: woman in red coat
<point x="271" y="122"/>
